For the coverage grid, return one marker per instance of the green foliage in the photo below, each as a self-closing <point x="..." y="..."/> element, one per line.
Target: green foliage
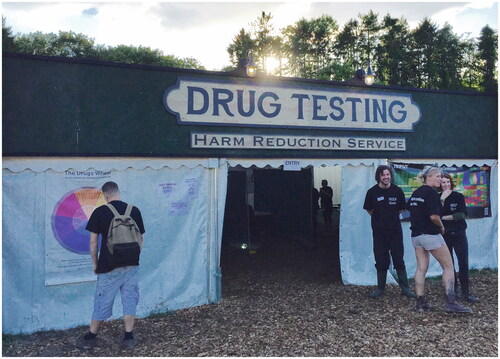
<point x="71" y="44"/>
<point x="425" y="57"/>
<point x="8" y="44"/>
<point x="487" y="47"/>
<point x="241" y="46"/>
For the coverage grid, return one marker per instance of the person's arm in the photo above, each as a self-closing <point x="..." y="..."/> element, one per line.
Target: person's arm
<point x="457" y="216"/>
<point x="454" y="217"/>
<point x="437" y="221"/>
<point x="369" y="212"/>
<point x="93" y="249"/>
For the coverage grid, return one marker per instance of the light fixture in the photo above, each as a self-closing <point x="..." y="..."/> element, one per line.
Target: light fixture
<point x="250" y="67"/>
<point x="369" y="76"/>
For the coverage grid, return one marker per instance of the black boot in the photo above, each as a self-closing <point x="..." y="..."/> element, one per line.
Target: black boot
<point x="403" y="284"/>
<point x="469" y="297"/>
<point x="381" y="280"/>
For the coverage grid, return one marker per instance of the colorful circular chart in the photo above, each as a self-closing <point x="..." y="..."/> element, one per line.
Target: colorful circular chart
<point x="71" y="215"/>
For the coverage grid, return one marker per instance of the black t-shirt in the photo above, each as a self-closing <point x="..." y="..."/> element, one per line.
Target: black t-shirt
<point x="454" y="203"/>
<point x="99" y="223"/>
<point x="386" y="203"/>
<point x="326" y="200"/>
<point x="423" y="203"/>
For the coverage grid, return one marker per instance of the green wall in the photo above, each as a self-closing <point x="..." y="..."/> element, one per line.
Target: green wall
<point x="70" y="108"/>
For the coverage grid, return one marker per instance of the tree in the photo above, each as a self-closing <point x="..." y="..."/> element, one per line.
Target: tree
<point x="8" y="44"/>
<point x="64" y="44"/>
<point x="471" y="76"/>
<point x="369" y="35"/>
<point x="323" y="32"/>
<point x="448" y="56"/>
<point x="487" y="47"/>
<point x="392" y="53"/>
<point x="262" y="30"/>
<point x="240" y="47"/>
<point x="298" y="48"/>
<point x="347" y="46"/>
<point x="424" y="66"/>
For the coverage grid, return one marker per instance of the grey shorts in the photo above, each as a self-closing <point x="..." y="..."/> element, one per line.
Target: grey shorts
<point x="123" y="279"/>
<point x="428" y="241"/>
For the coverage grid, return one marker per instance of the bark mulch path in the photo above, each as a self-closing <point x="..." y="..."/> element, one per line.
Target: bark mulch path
<point x="291" y="303"/>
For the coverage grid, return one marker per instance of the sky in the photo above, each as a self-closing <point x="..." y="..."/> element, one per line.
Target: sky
<point x="204" y="30"/>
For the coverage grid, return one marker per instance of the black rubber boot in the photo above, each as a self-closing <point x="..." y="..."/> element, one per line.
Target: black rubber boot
<point x="403" y="284"/>
<point x="469" y="297"/>
<point x="381" y="280"/>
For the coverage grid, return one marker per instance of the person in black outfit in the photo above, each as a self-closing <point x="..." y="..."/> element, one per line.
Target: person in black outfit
<point x="112" y="278"/>
<point x="384" y="202"/>
<point x="315" y="208"/>
<point x="326" y="195"/>
<point x="426" y="235"/>
<point x="453" y="217"/>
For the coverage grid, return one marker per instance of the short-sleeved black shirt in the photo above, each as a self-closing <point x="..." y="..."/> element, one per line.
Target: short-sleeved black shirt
<point x="423" y="203"/>
<point x="386" y="203"/>
<point x="99" y="223"/>
<point x="325" y="200"/>
<point x="454" y="203"/>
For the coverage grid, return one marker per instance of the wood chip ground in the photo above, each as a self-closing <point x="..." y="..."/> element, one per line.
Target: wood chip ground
<point x="288" y="300"/>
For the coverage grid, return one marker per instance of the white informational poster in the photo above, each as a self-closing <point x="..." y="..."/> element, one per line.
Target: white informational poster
<point x="179" y="195"/>
<point x="72" y="196"/>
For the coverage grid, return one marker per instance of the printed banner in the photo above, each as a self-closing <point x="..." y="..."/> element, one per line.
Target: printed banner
<point x="472" y="182"/>
<point x="72" y="196"/>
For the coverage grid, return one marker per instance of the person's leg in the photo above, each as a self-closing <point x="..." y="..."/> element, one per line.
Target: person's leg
<point x="422" y="265"/>
<point x="397" y="254"/>
<point x="107" y="287"/>
<point x="129" y="321"/>
<point x="443" y="256"/>
<point x="130" y="297"/>
<point x="382" y="261"/>
<point x="450" y="241"/>
<point x="328" y="216"/>
<point x="462" y="252"/>
<point x="95" y="325"/>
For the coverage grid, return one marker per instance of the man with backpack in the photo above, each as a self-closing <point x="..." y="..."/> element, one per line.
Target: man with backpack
<point x="121" y="228"/>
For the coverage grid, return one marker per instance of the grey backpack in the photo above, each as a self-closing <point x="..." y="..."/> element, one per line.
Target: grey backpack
<point x="124" y="238"/>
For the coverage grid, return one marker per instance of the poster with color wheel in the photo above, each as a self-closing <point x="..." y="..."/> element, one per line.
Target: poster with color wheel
<point x="71" y="215"/>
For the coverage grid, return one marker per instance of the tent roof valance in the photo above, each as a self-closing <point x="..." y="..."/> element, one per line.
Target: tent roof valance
<point x="61" y="164"/>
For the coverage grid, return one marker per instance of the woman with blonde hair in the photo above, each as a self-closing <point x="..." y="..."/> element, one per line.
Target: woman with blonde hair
<point x="426" y="232"/>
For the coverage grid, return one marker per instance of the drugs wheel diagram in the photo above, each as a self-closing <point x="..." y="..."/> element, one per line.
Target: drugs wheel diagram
<point x="71" y="215"/>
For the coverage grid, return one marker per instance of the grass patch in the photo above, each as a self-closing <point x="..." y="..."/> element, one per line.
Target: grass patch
<point x="472" y="273"/>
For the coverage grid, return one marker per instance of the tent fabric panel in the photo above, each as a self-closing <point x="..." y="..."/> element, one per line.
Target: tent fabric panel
<point x="174" y="269"/>
<point x="356" y="246"/>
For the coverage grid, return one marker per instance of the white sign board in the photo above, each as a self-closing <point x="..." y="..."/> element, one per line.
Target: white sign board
<point x="230" y="103"/>
<point x="274" y="142"/>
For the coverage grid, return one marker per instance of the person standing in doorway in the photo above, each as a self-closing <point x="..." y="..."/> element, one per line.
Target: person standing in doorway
<point x="113" y="277"/>
<point x="384" y="202"/>
<point x="427" y="236"/>
<point x="326" y="200"/>
<point x="453" y="217"/>
<point x="314" y="209"/>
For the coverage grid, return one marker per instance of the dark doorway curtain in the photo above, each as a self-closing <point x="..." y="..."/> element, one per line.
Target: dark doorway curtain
<point x="287" y="196"/>
<point x="235" y="230"/>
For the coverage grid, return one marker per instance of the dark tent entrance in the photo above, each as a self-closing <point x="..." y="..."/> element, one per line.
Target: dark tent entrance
<point x="270" y="226"/>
